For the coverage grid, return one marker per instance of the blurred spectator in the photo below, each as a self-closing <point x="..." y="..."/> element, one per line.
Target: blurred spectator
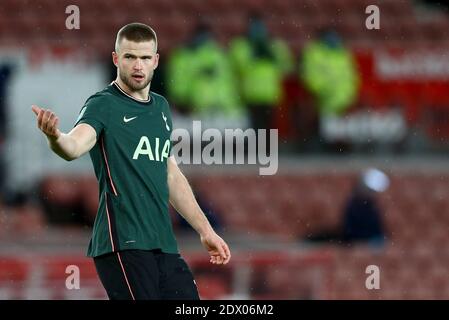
<point x="200" y="79"/>
<point x="261" y="64"/>
<point x="5" y="73"/>
<point x="362" y="219"/>
<point x="329" y="71"/>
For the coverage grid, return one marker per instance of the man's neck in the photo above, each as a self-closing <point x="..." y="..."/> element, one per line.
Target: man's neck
<point x="139" y="95"/>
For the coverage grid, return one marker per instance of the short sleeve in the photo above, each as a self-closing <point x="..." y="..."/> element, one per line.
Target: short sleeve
<point x="93" y="113"/>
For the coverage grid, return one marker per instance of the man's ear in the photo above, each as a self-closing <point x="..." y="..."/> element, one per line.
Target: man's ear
<point x="115" y="58"/>
<point x="156" y="62"/>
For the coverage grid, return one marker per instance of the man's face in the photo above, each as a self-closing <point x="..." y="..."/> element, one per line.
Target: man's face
<point x="136" y="62"/>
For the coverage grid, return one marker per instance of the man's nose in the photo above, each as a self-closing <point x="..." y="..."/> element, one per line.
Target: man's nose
<point x="138" y="65"/>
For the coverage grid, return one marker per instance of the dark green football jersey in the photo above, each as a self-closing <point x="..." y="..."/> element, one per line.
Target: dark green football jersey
<point x="130" y="163"/>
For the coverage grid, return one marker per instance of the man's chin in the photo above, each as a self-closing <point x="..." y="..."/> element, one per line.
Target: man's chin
<point x="135" y="85"/>
<point x="138" y="86"/>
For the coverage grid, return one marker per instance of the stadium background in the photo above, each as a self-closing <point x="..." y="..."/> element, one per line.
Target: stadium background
<point x="47" y="204"/>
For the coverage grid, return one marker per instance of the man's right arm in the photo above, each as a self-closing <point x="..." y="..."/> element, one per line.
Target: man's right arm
<point x="68" y="146"/>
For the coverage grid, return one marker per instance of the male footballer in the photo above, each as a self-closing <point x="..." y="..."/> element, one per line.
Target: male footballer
<point x="126" y="129"/>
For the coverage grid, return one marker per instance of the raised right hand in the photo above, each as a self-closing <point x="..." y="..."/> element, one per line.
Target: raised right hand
<point x="47" y="122"/>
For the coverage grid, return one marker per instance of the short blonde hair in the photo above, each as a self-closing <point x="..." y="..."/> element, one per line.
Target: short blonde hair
<point x="137" y="32"/>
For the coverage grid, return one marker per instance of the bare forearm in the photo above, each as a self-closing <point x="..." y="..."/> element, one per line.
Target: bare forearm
<point x="183" y="200"/>
<point x="64" y="146"/>
<point x="68" y="146"/>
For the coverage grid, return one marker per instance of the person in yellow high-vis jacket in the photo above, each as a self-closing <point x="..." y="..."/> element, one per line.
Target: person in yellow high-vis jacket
<point x="329" y="71"/>
<point x="261" y="64"/>
<point x="200" y="78"/>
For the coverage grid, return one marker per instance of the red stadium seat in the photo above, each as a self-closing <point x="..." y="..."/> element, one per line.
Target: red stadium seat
<point x="212" y="287"/>
<point x="55" y="268"/>
<point x="12" y="270"/>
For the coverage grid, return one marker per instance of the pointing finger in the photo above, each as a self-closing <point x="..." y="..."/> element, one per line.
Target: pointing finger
<point x="35" y="109"/>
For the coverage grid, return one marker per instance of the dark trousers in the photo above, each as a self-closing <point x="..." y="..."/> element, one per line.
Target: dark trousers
<point x="146" y="275"/>
<point x="262" y="117"/>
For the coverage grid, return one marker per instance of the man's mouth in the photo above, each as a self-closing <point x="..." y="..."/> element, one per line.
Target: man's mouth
<point x="138" y="77"/>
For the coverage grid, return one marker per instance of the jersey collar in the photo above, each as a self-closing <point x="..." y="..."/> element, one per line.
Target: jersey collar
<point x="129" y="96"/>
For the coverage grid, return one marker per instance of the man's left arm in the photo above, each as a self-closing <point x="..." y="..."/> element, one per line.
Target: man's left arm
<point x="183" y="200"/>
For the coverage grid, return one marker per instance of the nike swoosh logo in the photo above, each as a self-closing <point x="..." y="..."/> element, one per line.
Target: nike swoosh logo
<point x="129" y="119"/>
